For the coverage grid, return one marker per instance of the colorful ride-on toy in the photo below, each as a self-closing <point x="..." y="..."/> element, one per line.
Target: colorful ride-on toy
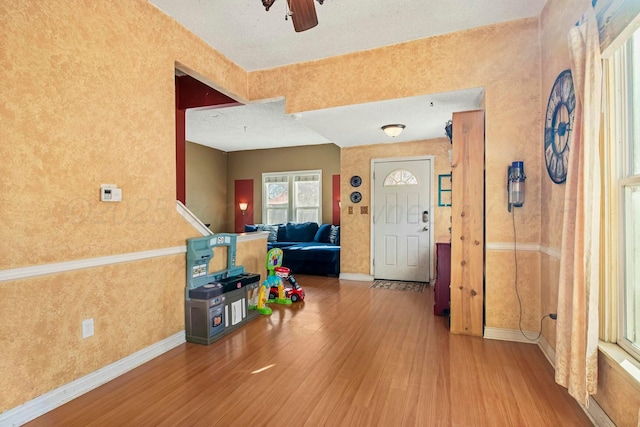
<point x="294" y="293"/>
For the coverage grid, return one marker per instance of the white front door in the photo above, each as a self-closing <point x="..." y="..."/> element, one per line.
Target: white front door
<point x="401" y="220"/>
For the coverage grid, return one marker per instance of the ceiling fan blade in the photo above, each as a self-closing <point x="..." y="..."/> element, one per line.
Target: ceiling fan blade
<point x="303" y="14"/>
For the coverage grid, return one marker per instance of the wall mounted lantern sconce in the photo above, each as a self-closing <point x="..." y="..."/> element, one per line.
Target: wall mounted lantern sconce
<point x="243" y="207"/>
<point x="393" y="130"/>
<point x="449" y="131"/>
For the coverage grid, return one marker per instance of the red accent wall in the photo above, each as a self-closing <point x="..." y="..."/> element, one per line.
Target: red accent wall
<point x="243" y="193"/>
<point x="194" y="93"/>
<point x="181" y="174"/>
<point x="335" y="199"/>
<point x="191" y="93"/>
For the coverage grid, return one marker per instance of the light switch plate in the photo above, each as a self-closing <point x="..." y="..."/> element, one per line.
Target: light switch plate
<point x="110" y="193"/>
<point x="87" y="328"/>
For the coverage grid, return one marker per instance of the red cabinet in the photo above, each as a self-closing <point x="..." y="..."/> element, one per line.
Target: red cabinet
<point x="442" y="292"/>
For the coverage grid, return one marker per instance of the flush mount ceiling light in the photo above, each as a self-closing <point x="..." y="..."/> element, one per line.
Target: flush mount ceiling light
<point x="393" y="130"/>
<point x="302" y="13"/>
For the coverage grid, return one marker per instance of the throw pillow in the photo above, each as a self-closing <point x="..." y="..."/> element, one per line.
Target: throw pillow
<point x="301" y="232"/>
<point x="272" y="229"/>
<point x="334" y="235"/>
<point x="322" y="235"/>
<point x="282" y="233"/>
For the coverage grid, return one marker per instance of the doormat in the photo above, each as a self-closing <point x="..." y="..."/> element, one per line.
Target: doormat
<point x="396" y="285"/>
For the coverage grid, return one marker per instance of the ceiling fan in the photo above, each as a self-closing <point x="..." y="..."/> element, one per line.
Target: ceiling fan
<point x="302" y="12"/>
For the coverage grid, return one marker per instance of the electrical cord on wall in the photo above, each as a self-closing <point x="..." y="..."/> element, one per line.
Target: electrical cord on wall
<point x="515" y="258"/>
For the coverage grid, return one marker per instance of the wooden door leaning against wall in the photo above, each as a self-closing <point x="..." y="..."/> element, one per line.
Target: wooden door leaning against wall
<point x="467" y="227"/>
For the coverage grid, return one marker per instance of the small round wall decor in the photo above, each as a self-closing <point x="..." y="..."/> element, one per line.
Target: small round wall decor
<point x="559" y="122"/>
<point x="356" y="197"/>
<point x="355" y="181"/>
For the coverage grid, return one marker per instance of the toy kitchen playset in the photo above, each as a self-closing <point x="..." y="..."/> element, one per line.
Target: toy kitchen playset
<point x="216" y="303"/>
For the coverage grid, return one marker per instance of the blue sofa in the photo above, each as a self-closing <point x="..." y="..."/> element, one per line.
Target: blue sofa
<point x="308" y="248"/>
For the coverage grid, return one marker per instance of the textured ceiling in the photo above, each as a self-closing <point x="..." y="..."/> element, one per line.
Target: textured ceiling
<point x="255" y="39"/>
<point x="257" y="126"/>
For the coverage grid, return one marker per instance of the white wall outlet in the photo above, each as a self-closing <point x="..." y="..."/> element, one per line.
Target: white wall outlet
<point x="87" y="328"/>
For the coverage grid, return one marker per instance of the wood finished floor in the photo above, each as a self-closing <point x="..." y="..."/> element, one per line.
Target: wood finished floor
<point x="348" y="355"/>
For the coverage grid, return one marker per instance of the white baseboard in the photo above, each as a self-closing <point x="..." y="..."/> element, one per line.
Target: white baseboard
<point x="513" y="335"/>
<point x="54" y="398"/>
<point x="597" y="415"/>
<point x="548" y="351"/>
<point x="356" y="277"/>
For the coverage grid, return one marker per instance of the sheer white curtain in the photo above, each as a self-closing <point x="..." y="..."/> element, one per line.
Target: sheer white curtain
<point x="577" y="325"/>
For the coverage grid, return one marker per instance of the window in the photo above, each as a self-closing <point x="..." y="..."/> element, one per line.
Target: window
<point x="624" y="108"/>
<point x="292" y="196"/>
<point x="400" y="177"/>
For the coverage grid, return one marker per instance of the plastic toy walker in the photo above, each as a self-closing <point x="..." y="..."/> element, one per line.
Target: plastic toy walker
<point x="274" y="278"/>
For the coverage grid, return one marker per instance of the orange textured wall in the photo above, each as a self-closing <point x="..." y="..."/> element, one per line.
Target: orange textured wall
<point x="133" y="306"/>
<point x="555" y="20"/>
<point x="88" y="98"/>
